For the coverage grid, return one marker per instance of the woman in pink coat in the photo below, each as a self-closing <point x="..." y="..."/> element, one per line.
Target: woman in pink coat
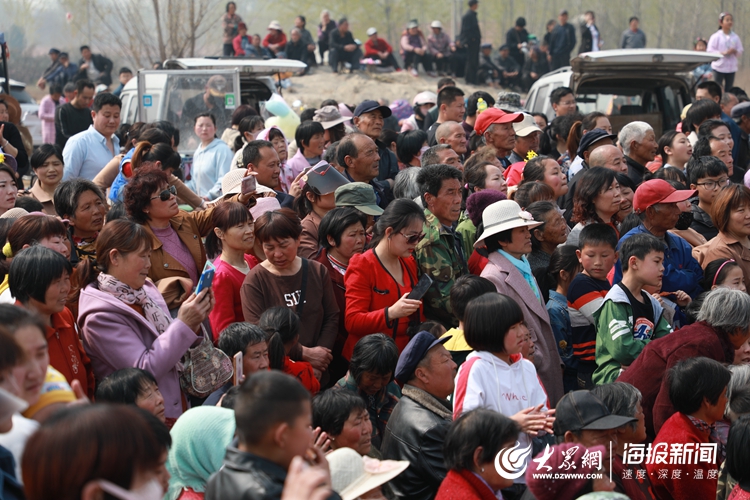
<point x="505" y="233"/>
<point x="124" y="319"/>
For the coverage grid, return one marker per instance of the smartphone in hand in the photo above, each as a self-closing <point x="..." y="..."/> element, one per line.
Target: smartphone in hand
<point x="239" y="376"/>
<point x="207" y="277"/>
<point x="249" y="184"/>
<point x="424" y="284"/>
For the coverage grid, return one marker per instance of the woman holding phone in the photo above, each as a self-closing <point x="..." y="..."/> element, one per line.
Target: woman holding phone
<point x="124" y="319"/>
<point x="379" y="281"/>
<point x="177" y="252"/>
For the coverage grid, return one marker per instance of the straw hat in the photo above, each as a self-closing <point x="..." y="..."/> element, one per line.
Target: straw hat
<point x="353" y="475"/>
<point x="329" y="116"/>
<point x="503" y="215"/>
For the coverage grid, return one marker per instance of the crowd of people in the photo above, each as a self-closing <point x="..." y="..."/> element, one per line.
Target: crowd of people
<point x="447" y="303"/>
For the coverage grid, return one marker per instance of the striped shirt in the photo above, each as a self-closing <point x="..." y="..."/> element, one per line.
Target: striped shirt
<point x="585" y="296"/>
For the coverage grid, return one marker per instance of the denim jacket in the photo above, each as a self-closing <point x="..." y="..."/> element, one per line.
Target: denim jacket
<point x="557" y="307"/>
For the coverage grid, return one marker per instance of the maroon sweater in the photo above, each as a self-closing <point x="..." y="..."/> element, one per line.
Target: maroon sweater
<point x="649" y="371"/>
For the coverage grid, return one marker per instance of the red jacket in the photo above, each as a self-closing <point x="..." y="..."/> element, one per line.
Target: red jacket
<point x="379" y="45"/>
<point x="463" y="485"/>
<point x="227" y="302"/>
<point x="648" y="372"/>
<point x="679" y="429"/>
<point x="302" y="371"/>
<point x="237" y="44"/>
<point x="477" y="263"/>
<point x="66" y="353"/>
<point x="339" y="291"/>
<point x="272" y="37"/>
<point x="370" y="290"/>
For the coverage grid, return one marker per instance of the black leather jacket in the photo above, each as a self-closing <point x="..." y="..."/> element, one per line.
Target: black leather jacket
<point x="245" y="476"/>
<point x="416" y="434"/>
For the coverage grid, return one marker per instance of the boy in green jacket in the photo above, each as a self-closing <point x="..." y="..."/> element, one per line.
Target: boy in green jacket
<point x="630" y="318"/>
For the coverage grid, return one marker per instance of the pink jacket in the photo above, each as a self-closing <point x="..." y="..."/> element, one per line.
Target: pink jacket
<point x="297" y="163"/>
<point x="47" y="109"/>
<point x="509" y="281"/>
<point x="115" y="336"/>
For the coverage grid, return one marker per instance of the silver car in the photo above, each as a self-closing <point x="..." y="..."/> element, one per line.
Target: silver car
<point x="29" y="109"/>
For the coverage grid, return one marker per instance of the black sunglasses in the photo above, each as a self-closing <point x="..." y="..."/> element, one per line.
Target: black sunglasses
<point x="166" y="194"/>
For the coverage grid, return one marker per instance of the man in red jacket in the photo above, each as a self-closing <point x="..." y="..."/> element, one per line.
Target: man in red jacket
<point x="377" y="48"/>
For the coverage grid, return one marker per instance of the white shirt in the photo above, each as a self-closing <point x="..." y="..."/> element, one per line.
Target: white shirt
<point x="15" y="440"/>
<point x="594" y="38"/>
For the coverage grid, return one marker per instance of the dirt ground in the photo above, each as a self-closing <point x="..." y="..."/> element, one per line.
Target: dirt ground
<point x="352" y="89"/>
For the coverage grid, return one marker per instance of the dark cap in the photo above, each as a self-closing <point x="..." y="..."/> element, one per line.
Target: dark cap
<point x="414" y="352"/>
<point x="591" y="137"/>
<point x="368" y="106"/>
<point x="582" y="411"/>
<point x="486" y="46"/>
<point x="64" y="54"/>
<point x="324" y="179"/>
<point x="473" y="2"/>
<point x="53" y="51"/>
<point x="360" y="196"/>
<point x="740" y="110"/>
<point x="563" y="12"/>
<point x="504" y="47"/>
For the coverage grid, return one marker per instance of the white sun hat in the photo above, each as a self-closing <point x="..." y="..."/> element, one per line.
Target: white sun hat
<point x="353" y="475"/>
<point x="503" y="215"/>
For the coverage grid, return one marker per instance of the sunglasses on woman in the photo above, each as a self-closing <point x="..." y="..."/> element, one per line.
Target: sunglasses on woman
<point x="166" y="194"/>
<point x="413" y="239"/>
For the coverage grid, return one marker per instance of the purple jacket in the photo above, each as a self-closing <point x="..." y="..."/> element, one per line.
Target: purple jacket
<point x="115" y="336"/>
<point x="297" y="163"/>
<point x="510" y="282"/>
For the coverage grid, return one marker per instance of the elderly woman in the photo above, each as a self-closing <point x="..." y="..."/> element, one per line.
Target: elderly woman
<point x="83" y="204"/>
<point x="597" y="200"/>
<point x="472" y="444"/>
<point x="47" y="164"/>
<point x="343" y="416"/>
<point x="177" y="251"/>
<point x="285" y="279"/>
<point x="342" y="235"/>
<point x="379" y="281"/>
<point x="546" y="237"/>
<point x="506" y="235"/>
<point x="199" y="442"/>
<point x="371" y="376"/>
<point x="730" y="214"/>
<point x="638" y="143"/>
<point x="125" y="321"/>
<point x="723" y="326"/>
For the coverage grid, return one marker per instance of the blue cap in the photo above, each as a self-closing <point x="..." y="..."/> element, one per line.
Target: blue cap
<point x="740" y="110"/>
<point x="368" y="106"/>
<point x="593" y="136"/>
<point x="414" y="352"/>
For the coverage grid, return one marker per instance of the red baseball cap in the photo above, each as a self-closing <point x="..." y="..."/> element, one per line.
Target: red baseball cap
<point x="494" y="115"/>
<point x="658" y="191"/>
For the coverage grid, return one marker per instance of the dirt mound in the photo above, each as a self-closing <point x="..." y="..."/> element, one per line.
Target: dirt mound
<point x="353" y="88"/>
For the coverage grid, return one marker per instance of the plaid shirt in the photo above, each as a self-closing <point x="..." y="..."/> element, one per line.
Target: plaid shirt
<point x="379" y="406"/>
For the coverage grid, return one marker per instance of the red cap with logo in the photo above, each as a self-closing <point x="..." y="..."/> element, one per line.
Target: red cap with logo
<point x="494" y="115"/>
<point x="658" y="191"/>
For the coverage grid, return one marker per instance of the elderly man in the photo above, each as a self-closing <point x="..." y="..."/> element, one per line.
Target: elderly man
<point x="442" y="154"/>
<point x="420" y="421"/>
<point x="275" y="39"/>
<point x="440" y="46"/>
<point x="608" y="156"/>
<point x="369" y="117"/>
<point x="450" y="104"/>
<point x="379" y="49"/>
<point x="528" y="135"/>
<point x="440" y="253"/>
<point x="638" y="143"/>
<point x="452" y="134"/>
<point x="296" y="49"/>
<point x="496" y="127"/>
<point x="657" y="201"/>
<point x="590" y="141"/>
<point x="414" y="49"/>
<point x="358" y="154"/>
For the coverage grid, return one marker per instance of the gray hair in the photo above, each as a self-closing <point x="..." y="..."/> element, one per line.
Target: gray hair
<point x="444" y="130"/>
<point x="296" y="30"/>
<point x="633" y="131"/>
<point x="432" y="155"/>
<point x="621" y="399"/>
<point x="405" y="185"/>
<point x="726" y="310"/>
<point x="740" y="378"/>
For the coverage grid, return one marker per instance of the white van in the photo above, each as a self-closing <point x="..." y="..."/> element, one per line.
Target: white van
<point x="651" y="85"/>
<point x="162" y="94"/>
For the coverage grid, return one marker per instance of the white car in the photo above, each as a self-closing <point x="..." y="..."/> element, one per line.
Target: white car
<point x="29" y="109"/>
<point x="650" y="85"/>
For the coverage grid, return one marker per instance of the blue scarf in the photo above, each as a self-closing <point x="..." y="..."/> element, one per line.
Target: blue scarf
<point x="524" y="267"/>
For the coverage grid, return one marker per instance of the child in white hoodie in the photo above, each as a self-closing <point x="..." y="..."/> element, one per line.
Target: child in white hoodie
<point x="496" y="376"/>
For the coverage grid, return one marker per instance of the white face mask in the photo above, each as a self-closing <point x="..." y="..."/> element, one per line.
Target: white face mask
<point x="149" y="491"/>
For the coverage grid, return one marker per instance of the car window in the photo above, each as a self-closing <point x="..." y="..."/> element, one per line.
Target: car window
<point x="541" y="99"/>
<point x="672" y="104"/>
<point x="613" y="101"/>
<point x="21" y="95"/>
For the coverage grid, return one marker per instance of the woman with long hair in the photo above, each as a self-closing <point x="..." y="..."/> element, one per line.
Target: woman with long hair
<point x="545" y="169"/>
<point x="675" y="149"/>
<point x="230" y="244"/>
<point x="378" y="281"/>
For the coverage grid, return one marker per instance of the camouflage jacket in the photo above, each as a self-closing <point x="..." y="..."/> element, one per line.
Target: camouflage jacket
<point x="436" y="256"/>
